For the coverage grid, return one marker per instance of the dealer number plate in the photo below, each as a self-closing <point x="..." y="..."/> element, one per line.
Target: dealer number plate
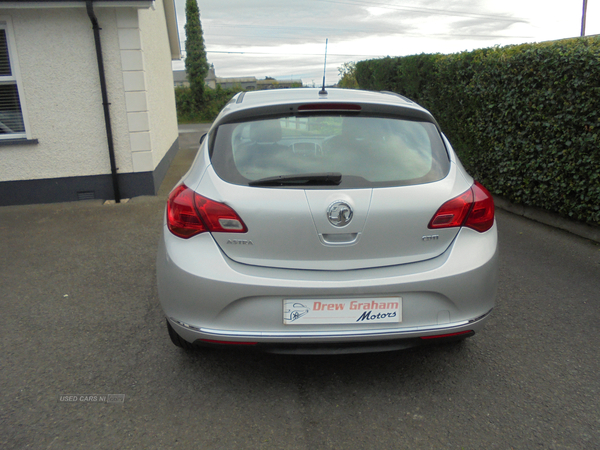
<point x="342" y="311"/>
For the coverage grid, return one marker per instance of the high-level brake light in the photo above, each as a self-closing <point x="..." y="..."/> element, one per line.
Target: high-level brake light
<point x="329" y="107"/>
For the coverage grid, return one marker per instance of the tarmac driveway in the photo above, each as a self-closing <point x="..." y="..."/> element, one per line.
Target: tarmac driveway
<point x="87" y="363"/>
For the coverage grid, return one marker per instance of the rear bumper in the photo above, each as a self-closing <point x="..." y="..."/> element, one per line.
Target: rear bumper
<point x="365" y="341"/>
<point x="208" y="297"/>
<point x="184" y="329"/>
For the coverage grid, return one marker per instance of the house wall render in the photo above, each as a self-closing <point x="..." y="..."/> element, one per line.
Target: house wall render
<point x="61" y="93"/>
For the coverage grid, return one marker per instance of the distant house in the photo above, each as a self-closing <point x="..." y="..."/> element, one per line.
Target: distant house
<point x="180" y="78"/>
<point x="87" y="108"/>
<point x="244" y="83"/>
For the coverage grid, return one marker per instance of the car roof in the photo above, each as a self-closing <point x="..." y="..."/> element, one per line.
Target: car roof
<point x="254" y="104"/>
<point x="272" y="96"/>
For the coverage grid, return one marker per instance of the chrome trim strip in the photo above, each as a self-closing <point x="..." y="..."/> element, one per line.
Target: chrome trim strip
<point x="331" y="334"/>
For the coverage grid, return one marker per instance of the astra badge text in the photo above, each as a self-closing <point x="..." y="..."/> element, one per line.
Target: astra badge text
<point x="239" y="242"/>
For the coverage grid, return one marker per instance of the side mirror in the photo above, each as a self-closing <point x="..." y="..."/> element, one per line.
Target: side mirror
<point x="202" y="138"/>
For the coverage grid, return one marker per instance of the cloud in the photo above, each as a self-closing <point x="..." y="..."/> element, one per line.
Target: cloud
<point x="287" y="40"/>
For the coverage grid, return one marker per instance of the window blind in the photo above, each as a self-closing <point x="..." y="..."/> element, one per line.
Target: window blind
<point x="11" y="115"/>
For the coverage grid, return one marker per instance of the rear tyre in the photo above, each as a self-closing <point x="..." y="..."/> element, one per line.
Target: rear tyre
<point x="178" y="340"/>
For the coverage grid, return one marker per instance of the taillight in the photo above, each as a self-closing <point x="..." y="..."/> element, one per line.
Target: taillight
<point x="481" y="217"/>
<point x="453" y="212"/>
<point x="182" y="219"/>
<point x="189" y="214"/>
<point x="473" y="209"/>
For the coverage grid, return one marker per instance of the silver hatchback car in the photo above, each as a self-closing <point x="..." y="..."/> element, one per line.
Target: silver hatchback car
<point x="334" y="222"/>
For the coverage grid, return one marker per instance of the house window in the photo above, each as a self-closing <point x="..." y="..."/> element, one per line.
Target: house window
<point x="12" y="125"/>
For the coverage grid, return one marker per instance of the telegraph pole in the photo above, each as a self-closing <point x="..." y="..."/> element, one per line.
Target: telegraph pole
<point x="583" y="17"/>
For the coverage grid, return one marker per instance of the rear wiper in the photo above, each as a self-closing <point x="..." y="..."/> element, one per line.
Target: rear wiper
<point x="305" y="179"/>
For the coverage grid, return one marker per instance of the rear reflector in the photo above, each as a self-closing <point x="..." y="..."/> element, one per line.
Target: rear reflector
<point x="445" y="336"/>
<point x="474" y="209"/>
<point x="210" y="341"/>
<point x="189" y="214"/>
<point x="329" y="107"/>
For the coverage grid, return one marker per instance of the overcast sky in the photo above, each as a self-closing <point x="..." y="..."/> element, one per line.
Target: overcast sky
<point x="286" y="40"/>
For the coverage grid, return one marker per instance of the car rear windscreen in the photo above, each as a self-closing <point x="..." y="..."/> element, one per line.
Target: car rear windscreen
<point x="366" y="151"/>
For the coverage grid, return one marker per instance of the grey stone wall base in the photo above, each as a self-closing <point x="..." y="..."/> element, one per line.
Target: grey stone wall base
<point x="554" y="220"/>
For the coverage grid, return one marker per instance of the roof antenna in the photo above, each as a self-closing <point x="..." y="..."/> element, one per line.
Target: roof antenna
<point x="323" y="91"/>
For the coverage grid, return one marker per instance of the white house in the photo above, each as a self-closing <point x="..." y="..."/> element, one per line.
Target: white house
<point x="87" y="108"/>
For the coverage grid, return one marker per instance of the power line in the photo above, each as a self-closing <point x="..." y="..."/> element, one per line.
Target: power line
<point x="291" y="27"/>
<point x="416" y="35"/>
<point x="377" y="30"/>
<point x="288" y="54"/>
<point x="444" y="12"/>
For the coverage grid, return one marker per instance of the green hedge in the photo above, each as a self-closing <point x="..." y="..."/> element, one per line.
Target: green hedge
<point x="524" y="119"/>
<point x="188" y="111"/>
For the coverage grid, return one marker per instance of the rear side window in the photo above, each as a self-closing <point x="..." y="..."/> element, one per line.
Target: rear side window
<point x="366" y="151"/>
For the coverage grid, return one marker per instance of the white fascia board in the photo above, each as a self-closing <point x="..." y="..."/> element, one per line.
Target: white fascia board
<point x="172" y="29"/>
<point x="79" y="4"/>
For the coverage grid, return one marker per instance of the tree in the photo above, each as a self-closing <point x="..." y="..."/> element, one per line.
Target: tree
<point x="196" y="64"/>
<point x="347" y="75"/>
